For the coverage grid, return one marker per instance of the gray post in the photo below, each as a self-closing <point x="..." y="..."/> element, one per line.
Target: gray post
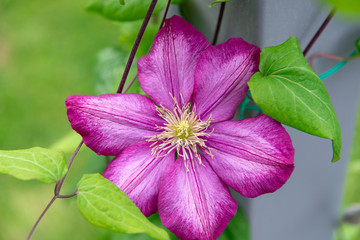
<point x="307" y="206"/>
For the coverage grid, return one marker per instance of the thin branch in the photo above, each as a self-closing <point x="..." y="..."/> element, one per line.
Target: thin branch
<point x="130" y="83"/>
<point x="218" y="24"/>
<point x="41" y="216"/>
<point x="68" y="196"/>
<point x="325" y="55"/>
<point x="319" y="31"/>
<point x="136" y="45"/>
<point x="165" y="13"/>
<point x="161" y="25"/>
<point x="60" y="183"/>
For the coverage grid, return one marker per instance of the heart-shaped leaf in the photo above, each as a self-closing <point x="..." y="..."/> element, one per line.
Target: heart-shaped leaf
<point x="44" y="165"/>
<point x="288" y="90"/>
<point x="104" y="205"/>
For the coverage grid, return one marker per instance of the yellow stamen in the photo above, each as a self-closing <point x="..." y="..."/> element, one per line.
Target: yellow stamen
<point x="183" y="131"/>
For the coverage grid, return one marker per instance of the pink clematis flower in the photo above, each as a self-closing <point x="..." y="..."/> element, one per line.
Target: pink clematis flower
<point x="178" y="152"/>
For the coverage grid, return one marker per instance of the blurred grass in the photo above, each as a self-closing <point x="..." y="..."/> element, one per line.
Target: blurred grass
<point x="352" y="187"/>
<point x="48" y="51"/>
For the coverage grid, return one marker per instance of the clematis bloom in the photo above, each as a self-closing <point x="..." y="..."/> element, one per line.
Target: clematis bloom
<point x="177" y="151"/>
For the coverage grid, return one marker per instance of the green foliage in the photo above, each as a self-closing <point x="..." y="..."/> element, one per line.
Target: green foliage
<point x="288" y="90"/>
<point x="238" y="228"/>
<point x="109" y="68"/>
<point x="104" y="205"/>
<point x="44" y="165"/>
<point x="217" y="1"/>
<point x="177" y="1"/>
<point x="357" y="44"/>
<point x="111" y="61"/>
<point x="131" y="9"/>
<point x="346" y="6"/>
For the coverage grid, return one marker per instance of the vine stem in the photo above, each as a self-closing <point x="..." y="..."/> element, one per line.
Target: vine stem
<point x="325" y="55"/>
<point x="57" y="191"/>
<point x="136" y="45"/>
<point x="319" y="31"/>
<point x="60" y="183"/>
<point x="161" y="25"/>
<point x="218" y="24"/>
<point x="41" y="216"/>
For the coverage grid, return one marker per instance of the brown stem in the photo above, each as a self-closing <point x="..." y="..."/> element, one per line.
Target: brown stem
<point x="319" y="31"/>
<point x="136" y="45"/>
<point x="57" y="191"/>
<point x="130" y="83"/>
<point x="60" y="183"/>
<point x="218" y="24"/>
<point x="41" y="216"/>
<point x="161" y="25"/>
<point x="325" y="55"/>
<point x="165" y="13"/>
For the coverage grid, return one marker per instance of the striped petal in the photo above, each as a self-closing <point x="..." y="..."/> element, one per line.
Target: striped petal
<point x="254" y="156"/>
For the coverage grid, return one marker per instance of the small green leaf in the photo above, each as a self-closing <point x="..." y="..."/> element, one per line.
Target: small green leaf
<point x="44" y="165"/>
<point x="238" y="228"/>
<point x="288" y="90"/>
<point x="217" y="1"/>
<point x="104" y="205"/>
<point x="177" y="1"/>
<point x="346" y="6"/>
<point x="110" y="66"/>
<point x="122" y="2"/>
<point x="357" y="44"/>
<point x="131" y="9"/>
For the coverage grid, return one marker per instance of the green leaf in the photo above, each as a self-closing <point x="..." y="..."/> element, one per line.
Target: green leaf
<point x="131" y="9"/>
<point x="177" y="1"/>
<point x="109" y="68"/>
<point x="44" y="165"/>
<point x="288" y="90"/>
<point x="217" y="1"/>
<point x="238" y="228"/>
<point x="346" y="6"/>
<point x="122" y="2"/>
<point x="104" y="205"/>
<point x="357" y="44"/>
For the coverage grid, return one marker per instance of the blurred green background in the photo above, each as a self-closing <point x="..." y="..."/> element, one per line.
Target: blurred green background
<point x="48" y="51"/>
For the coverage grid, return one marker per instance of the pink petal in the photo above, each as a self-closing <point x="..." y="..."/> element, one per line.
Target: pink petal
<point x="195" y="204"/>
<point x="169" y="67"/>
<point x="221" y="77"/>
<point x="139" y="175"/>
<point x="254" y="156"/>
<point x="111" y="122"/>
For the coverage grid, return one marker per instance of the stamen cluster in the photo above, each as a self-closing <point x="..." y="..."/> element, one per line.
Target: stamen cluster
<point x="183" y="131"/>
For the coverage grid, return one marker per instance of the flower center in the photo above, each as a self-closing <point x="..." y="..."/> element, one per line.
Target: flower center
<point x="183" y="131"/>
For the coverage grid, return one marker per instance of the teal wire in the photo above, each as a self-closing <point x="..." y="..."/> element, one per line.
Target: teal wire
<point x="336" y="68"/>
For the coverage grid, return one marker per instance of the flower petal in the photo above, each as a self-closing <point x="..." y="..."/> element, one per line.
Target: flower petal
<point x="111" y="122"/>
<point x="169" y="67"/>
<point x="139" y="175"/>
<point x="195" y="204"/>
<point x="254" y="156"/>
<point x="221" y="77"/>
